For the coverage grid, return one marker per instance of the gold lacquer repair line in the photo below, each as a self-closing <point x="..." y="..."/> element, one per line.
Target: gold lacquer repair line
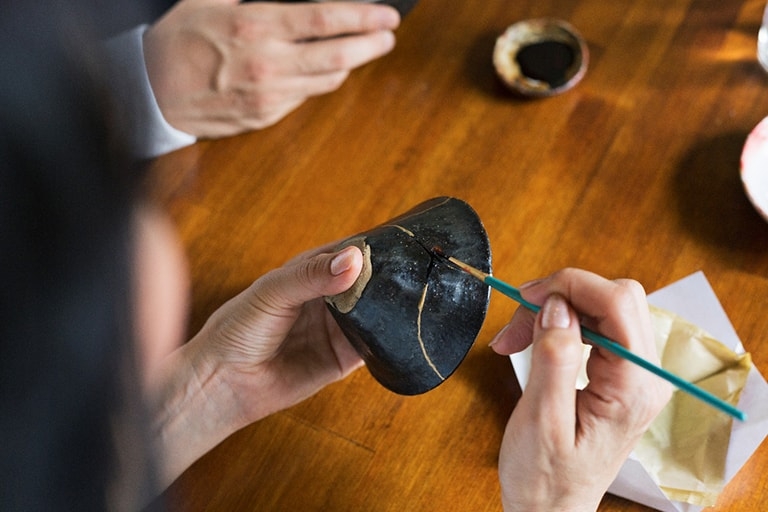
<point x="401" y="228"/>
<point x="421" y="309"/>
<point x="418" y="333"/>
<point x="421" y="212"/>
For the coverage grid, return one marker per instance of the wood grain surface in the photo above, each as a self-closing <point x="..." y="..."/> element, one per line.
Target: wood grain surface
<point x="633" y="173"/>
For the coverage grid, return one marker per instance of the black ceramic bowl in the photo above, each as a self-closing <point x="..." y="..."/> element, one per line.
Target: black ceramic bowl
<point x="413" y="316"/>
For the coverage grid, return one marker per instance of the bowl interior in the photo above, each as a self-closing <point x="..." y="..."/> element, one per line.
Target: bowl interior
<point x="540" y="57"/>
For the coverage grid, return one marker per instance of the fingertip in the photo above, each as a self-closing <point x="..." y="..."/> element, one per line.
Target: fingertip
<point x="347" y="259"/>
<point x="557" y="354"/>
<point x="348" y="271"/>
<point x="386" y="16"/>
<point x="388" y="40"/>
<point x="334" y="19"/>
<point x="494" y="344"/>
<point x="516" y="335"/>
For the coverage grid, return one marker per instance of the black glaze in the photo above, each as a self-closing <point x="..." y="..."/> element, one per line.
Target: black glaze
<point x="547" y="61"/>
<point x="384" y="324"/>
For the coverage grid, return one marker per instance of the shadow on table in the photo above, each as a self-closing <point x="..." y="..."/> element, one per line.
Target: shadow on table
<point x="479" y="69"/>
<point x="494" y="380"/>
<point x="711" y="199"/>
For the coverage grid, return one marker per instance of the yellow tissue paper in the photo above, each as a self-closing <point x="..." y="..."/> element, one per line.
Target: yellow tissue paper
<point x="685" y="449"/>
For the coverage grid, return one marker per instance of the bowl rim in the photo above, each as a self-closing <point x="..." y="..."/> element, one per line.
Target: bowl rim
<point x="506" y="44"/>
<point x="754" y="161"/>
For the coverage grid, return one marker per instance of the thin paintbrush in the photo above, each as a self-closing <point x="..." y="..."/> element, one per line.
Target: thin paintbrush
<point x="603" y="342"/>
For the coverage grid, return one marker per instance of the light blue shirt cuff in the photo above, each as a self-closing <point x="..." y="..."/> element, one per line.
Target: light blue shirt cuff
<point x="144" y="130"/>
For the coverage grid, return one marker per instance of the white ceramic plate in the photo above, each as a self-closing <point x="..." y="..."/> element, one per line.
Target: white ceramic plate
<point x="754" y="167"/>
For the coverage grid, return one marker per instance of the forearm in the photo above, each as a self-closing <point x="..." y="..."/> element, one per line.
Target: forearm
<point x="266" y="349"/>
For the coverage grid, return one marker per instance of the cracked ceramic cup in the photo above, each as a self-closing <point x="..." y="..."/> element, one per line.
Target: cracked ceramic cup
<point x="412" y="316"/>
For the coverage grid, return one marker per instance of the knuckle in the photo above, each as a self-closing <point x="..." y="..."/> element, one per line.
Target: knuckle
<point x="633" y="287"/>
<point x="559" y="350"/>
<point x="651" y="403"/>
<point x="567" y="276"/>
<point x="565" y="273"/>
<point x="258" y="71"/>
<point x="256" y="103"/>
<point x="627" y="295"/>
<point x="258" y="109"/>
<point x="320" y="21"/>
<point x="240" y="28"/>
<point x="245" y="28"/>
<point x="341" y="59"/>
<point x="311" y="273"/>
<point x="305" y="274"/>
<point x="335" y="80"/>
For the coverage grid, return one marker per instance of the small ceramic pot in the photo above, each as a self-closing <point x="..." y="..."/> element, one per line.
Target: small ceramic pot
<point x="540" y="57"/>
<point x="411" y="315"/>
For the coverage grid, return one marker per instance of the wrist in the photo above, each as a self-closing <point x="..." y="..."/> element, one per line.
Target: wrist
<point x="141" y="124"/>
<point x="547" y="507"/>
<point x="191" y="409"/>
<point x="553" y="501"/>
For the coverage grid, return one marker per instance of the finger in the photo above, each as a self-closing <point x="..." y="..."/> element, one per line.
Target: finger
<point x="556" y="359"/>
<point x="341" y="53"/>
<point x="616" y="309"/>
<point x="326" y="248"/>
<point x="517" y="335"/>
<point x="289" y="287"/>
<point x="320" y="21"/>
<point x="260" y="119"/>
<point x="263" y="103"/>
<point x="617" y="389"/>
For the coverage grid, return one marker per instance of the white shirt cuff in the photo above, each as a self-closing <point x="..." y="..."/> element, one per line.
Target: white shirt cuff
<point x="144" y="130"/>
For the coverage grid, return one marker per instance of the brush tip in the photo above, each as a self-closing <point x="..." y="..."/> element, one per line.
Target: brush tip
<point x="438" y="251"/>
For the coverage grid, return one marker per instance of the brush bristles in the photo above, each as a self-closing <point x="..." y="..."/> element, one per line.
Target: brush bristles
<point x="468" y="268"/>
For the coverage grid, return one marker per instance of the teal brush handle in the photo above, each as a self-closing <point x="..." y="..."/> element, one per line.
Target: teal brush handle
<point x="603" y="342"/>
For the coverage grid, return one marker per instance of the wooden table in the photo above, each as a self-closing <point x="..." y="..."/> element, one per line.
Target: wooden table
<point x="632" y="173"/>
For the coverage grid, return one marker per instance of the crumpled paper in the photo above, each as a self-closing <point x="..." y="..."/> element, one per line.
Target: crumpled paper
<point x="685" y="449"/>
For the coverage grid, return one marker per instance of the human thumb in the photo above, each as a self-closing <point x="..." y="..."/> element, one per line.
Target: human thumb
<point x="556" y="359"/>
<point x="318" y="276"/>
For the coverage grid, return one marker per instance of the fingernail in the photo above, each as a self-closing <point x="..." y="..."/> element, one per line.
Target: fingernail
<point x="341" y="262"/>
<point x="555" y="313"/>
<point x="530" y="284"/>
<point x="498" y="336"/>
